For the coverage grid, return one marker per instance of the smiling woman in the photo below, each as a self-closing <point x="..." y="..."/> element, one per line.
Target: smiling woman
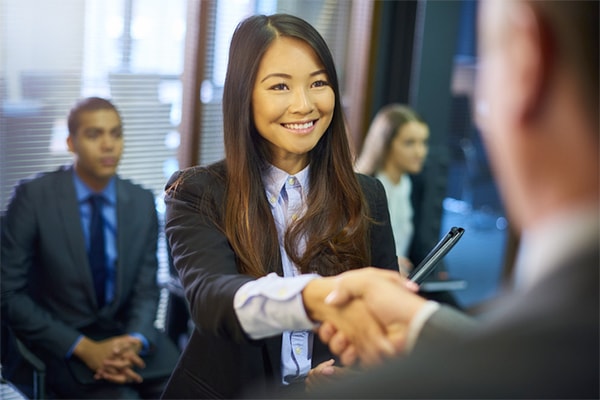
<point x="285" y="206"/>
<point x="293" y="102"/>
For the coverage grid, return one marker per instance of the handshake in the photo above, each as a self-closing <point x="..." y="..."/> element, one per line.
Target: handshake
<point x="365" y="314"/>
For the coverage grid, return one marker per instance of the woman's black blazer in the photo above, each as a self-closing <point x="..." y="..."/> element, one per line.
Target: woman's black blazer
<point x="220" y="360"/>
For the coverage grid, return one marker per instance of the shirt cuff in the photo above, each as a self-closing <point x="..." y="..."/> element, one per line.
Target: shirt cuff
<point x="272" y="304"/>
<point x="417" y="323"/>
<point x="145" y="343"/>
<point x="72" y="349"/>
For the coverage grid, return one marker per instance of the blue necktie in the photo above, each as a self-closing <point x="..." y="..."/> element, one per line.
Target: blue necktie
<point x="97" y="255"/>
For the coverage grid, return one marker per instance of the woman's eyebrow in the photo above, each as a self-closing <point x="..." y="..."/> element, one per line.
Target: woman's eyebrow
<point x="288" y="76"/>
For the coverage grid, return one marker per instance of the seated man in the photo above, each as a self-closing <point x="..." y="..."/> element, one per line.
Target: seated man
<point x="79" y="269"/>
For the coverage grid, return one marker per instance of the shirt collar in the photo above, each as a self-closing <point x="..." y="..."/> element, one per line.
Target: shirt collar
<point x="274" y="179"/>
<point x="109" y="193"/>
<point x="546" y="247"/>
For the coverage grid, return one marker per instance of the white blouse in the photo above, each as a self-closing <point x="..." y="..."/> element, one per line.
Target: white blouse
<point x="401" y="211"/>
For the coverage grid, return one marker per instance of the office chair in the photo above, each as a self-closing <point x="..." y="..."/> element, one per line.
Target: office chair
<point x="14" y="352"/>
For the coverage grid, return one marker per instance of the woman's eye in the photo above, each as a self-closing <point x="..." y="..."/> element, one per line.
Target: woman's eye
<point x="279" y="86"/>
<point x="320" y="83"/>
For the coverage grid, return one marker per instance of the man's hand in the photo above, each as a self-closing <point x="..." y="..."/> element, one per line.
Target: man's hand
<point x="118" y="368"/>
<point x="391" y="298"/>
<point x="353" y="318"/>
<point x="381" y="302"/>
<point x="112" y="359"/>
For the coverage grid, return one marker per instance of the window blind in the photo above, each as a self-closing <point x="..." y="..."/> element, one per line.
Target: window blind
<point x="132" y="52"/>
<point x="125" y="50"/>
<point x="56" y="51"/>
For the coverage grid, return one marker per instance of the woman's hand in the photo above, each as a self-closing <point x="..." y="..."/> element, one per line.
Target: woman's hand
<point x="326" y="373"/>
<point x="362" y="319"/>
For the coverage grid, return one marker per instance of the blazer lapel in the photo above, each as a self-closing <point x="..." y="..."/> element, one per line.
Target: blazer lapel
<point x="68" y="208"/>
<point x="125" y="212"/>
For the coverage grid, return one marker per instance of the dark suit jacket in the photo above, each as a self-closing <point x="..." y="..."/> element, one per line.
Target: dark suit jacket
<point x="542" y="343"/>
<point x="427" y="217"/>
<point x="426" y="200"/>
<point x="47" y="291"/>
<point x="220" y="360"/>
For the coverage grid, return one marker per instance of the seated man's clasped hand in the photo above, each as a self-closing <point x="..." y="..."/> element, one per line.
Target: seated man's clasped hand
<point x="120" y="355"/>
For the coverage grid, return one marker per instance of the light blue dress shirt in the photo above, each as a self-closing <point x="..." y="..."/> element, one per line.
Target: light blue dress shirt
<point x="269" y="305"/>
<point x="109" y="213"/>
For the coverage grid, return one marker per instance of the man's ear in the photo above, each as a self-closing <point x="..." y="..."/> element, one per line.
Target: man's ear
<point x="70" y="143"/>
<point x="532" y="53"/>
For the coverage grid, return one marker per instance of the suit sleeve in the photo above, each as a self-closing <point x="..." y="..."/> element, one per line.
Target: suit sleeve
<point x="446" y="324"/>
<point x="19" y="243"/>
<point x="142" y="300"/>
<point x="202" y="255"/>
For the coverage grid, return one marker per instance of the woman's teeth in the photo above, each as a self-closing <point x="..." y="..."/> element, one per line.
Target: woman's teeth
<point x="305" y="125"/>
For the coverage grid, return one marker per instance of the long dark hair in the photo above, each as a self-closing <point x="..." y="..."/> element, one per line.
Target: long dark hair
<point x="336" y="221"/>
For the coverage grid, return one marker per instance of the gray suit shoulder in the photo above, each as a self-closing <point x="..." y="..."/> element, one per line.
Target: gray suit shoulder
<point x="40" y="182"/>
<point x="446" y="324"/>
<point x="43" y="177"/>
